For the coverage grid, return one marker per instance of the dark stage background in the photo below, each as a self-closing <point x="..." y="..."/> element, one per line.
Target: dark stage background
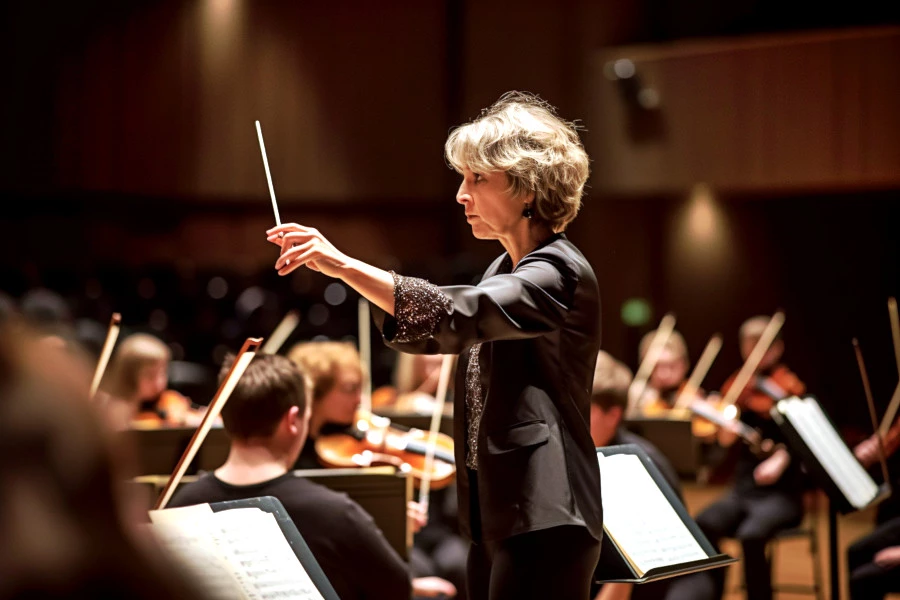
<point x="752" y="162"/>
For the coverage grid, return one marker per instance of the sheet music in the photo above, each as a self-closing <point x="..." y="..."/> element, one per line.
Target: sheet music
<point x="640" y="519"/>
<point x="192" y="546"/>
<point x="235" y="553"/>
<point x="833" y="454"/>
<point x="256" y="543"/>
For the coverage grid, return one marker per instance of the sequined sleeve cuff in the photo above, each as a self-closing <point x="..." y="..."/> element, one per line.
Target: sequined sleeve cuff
<point x="419" y="307"/>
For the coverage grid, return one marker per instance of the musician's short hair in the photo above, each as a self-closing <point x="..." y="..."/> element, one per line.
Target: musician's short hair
<point x="269" y="387"/>
<point x="674" y="344"/>
<point x="541" y="154"/>
<point x="321" y="361"/>
<point x="753" y="328"/>
<point x="612" y="379"/>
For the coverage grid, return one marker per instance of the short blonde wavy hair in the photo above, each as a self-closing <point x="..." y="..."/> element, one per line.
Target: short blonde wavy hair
<point x="521" y="135"/>
<point x="322" y="361"/>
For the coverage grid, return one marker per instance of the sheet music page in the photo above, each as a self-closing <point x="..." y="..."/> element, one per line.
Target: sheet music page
<point x="826" y="444"/>
<point x="255" y="542"/>
<point x="192" y="545"/>
<point x="183" y="514"/>
<point x="639" y="518"/>
<point x="235" y="553"/>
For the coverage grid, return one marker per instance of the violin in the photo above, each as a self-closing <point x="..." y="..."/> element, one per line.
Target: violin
<point x="373" y="440"/>
<point x="709" y="410"/>
<point x="171" y="409"/>
<point x="763" y="391"/>
<point x="654" y="405"/>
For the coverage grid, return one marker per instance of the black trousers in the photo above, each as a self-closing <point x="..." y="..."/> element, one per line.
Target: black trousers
<point x="753" y="518"/>
<point x="868" y="581"/>
<point x="555" y="563"/>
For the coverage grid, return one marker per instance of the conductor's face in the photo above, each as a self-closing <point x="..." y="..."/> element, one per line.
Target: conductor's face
<point x="491" y="211"/>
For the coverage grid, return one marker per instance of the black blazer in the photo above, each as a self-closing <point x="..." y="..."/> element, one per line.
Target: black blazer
<point x="539" y="326"/>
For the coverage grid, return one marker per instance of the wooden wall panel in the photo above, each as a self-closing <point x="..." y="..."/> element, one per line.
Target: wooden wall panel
<point x="792" y="112"/>
<point x="163" y="100"/>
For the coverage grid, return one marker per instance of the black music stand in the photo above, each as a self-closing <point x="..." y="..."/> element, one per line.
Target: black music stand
<point x="615" y="568"/>
<point x="837" y="500"/>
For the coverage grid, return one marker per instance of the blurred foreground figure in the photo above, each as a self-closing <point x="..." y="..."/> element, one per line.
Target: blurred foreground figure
<point x="60" y="511"/>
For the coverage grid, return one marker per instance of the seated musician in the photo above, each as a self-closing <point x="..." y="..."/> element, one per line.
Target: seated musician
<point x="873" y="563"/>
<point x="267" y="418"/>
<point x="336" y="375"/>
<point x="608" y="401"/>
<point x="667" y="378"/>
<point x="63" y="517"/>
<point x="136" y="383"/>
<point x="868" y="452"/>
<point x="767" y="496"/>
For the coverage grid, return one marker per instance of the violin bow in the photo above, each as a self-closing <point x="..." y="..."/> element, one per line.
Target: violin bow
<point x="700" y="370"/>
<point x="447" y="365"/>
<point x="894" y="404"/>
<point x="248" y="351"/>
<point x="112" y="334"/>
<point x="639" y="383"/>
<point x="871" y="403"/>
<point x="365" y="355"/>
<point x="753" y="360"/>
<point x="282" y="332"/>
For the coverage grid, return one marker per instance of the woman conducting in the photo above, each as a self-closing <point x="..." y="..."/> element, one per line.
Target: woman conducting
<point x="527" y="335"/>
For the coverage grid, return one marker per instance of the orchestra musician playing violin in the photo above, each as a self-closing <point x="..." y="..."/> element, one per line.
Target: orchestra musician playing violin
<point x="667" y="378"/>
<point x="335" y="374"/>
<point x="767" y="496"/>
<point x="527" y="335"/>
<point x="136" y="383"/>
<point x="267" y="419"/>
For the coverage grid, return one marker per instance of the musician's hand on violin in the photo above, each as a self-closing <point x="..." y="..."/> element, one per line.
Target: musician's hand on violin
<point x="888" y="558"/>
<point x="432" y="587"/>
<point x="305" y="246"/>
<point x="867" y="451"/>
<point x="770" y="470"/>
<point x="417" y="515"/>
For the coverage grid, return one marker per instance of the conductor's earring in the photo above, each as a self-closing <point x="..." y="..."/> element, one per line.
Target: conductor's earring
<point x="528" y="212"/>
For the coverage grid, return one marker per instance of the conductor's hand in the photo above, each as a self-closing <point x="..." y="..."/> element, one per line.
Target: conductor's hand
<point x="432" y="587"/>
<point x="305" y="246"/>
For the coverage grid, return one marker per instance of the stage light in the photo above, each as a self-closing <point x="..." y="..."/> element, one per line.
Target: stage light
<point x="335" y="294"/>
<point x="217" y="288"/>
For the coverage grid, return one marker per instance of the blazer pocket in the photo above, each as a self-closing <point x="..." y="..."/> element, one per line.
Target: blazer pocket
<point x="521" y="435"/>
